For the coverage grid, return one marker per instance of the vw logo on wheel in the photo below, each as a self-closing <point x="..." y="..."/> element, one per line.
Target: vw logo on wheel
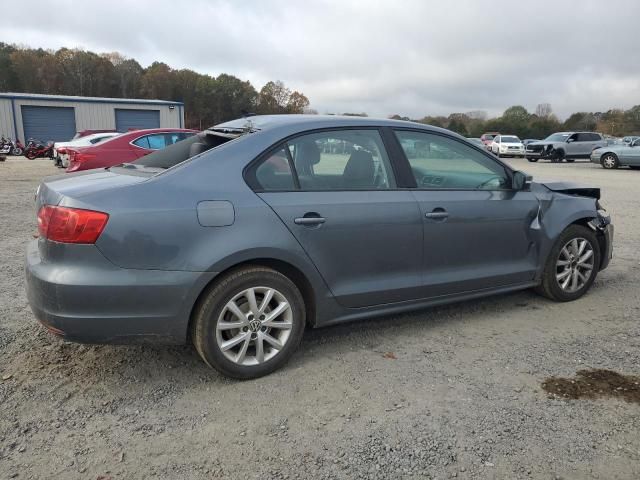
<point x="254" y="325"/>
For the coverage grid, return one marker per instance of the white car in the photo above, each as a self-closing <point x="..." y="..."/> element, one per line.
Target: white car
<point x="507" y="145"/>
<point x="60" y="154"/>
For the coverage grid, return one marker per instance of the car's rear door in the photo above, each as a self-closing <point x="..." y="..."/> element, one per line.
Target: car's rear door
<point x="477" y="231"/>
<point x="336" y="192"/>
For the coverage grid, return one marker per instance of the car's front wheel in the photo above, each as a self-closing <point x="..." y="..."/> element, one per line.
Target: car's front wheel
<point x="572" y="265"/>
<point x="249" y="323"/>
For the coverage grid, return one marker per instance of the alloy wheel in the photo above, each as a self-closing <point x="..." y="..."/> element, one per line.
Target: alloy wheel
<point x="254" y="326"/>
<point x="575" y="265"/>
<point x="609" y="161"/>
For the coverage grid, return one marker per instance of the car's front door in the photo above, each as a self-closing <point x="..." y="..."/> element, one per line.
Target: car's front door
<point x="631" y="153"/>
<point x="336" y="192"/>
<point x="477" y="230"/>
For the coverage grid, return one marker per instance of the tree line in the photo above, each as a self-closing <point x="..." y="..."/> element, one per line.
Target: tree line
<point x="207" y="99"/>
<point x="516" y="120"/>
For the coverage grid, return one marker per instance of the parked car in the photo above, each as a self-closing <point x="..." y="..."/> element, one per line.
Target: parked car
<point x="629" y="139"/>
<point x="60" y="155"/>
<point x="614" y="156"/>
<point x="487" y="138"/>
<point x="239" y="245"/>
<point x="565" y="146"/>
<point x="84" y="133"/>
<point x="124" y="148"/>
<point x="507" y="145"/>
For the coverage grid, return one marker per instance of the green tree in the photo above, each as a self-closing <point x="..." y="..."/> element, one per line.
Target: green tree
<point x="157" y="82"/>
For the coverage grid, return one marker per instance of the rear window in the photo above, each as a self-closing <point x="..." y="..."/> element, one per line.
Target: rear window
<point x="181" y="150"/>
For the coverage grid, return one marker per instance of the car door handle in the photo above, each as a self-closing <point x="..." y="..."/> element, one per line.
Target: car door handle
<point x="309" y="220"/>
<point x="437" y="215"/>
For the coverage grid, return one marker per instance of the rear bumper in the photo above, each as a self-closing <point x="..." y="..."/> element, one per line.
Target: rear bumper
<point x="90" y="300"/>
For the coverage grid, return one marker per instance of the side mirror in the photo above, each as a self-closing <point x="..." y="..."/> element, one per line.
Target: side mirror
<point x="570" y="140"/>
<point x="520" y="180"/>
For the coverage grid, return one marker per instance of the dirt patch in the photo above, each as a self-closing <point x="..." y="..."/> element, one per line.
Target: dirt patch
<point x="595" y="383"/>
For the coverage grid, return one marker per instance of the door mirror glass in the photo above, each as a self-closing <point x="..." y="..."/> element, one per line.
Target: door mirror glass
<point x="520" y="180"/>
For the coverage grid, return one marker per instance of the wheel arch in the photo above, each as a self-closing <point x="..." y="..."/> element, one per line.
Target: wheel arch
<point x="286" y="268"/>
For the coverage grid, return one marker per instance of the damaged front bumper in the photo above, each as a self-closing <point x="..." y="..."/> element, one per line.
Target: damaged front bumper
<point x="604" y="228"/>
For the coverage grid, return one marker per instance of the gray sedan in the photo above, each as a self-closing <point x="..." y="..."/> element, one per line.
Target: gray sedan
<point x="619" y="155"/>
<point x="249" y="232"/>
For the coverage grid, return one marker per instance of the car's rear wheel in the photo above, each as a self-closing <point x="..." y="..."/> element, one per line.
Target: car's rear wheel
<point x="572" y="265"/>
<point x="249" y="323"/>
<point x="531" y="159"/>
<point x="609" y="161"/>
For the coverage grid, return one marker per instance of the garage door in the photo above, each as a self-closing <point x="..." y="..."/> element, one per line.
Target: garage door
<point x="56" y="124"/>
<point x="129" y="119"/>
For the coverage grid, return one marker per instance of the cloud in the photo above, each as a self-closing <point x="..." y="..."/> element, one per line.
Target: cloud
<point x="410" y="57"/>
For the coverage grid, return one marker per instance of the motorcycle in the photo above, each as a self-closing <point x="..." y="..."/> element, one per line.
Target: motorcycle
<point x="9" y="147"/>
<point x="37" y="149"/>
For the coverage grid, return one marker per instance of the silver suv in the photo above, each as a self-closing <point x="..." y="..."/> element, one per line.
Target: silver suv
<point x="565" y="146"/>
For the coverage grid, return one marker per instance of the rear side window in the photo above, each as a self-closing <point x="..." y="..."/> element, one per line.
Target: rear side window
<point x="142" y="142"/>
<point x="341" y="160"/>
<point x="274" y="172"/>
<point x="333" y="160"/>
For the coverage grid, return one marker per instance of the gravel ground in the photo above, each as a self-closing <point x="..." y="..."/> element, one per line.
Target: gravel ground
<point x="442" y="393"/>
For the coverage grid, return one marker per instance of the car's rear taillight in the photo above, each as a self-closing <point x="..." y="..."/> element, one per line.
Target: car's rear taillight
<point x="70" y="225"/>
<point x="83" y="157"/>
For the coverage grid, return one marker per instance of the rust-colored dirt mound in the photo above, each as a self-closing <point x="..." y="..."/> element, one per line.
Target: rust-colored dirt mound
<point x="595" y="384"/>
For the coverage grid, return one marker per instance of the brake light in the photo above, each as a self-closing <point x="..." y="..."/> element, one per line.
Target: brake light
<point x="83" y="157"/>
<point x="70" y="225"/>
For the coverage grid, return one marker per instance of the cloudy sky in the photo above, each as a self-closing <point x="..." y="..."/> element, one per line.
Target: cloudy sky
<point x="412" y="57"/>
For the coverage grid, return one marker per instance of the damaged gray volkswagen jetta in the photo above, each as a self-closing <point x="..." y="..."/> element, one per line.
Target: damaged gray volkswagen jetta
<point x="243" y="235"/>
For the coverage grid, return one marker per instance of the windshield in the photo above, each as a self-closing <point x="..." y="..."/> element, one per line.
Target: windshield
<point x="557" y="137"/>
<point x="510" y="140"/>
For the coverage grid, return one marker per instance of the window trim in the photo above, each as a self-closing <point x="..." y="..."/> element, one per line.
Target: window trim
<point x="508" y="170"/>
<point x="249" y="172"/>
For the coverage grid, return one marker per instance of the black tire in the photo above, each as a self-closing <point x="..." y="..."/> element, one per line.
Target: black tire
<point x="609" y="161"/>
<point x="531" y="159"/>
<point x="30" y="155"/>
<point x="557" y="156"/>
<point x="549" y="286"/>
<point x="207" y="313"/>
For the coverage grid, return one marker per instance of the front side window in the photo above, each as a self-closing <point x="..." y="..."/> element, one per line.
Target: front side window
<point x="439" y="162"/>
<point x="341" y="160"/>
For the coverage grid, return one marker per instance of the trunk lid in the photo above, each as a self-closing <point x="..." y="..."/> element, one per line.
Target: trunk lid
<point x="54" y="189"/>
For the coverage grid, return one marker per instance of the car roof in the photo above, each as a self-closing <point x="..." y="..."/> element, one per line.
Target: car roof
<point x="297" y="123"/>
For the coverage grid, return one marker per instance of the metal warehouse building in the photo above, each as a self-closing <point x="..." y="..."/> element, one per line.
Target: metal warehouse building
<point x="58" y="117"/>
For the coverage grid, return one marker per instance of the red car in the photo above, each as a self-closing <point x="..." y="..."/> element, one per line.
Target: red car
<point x="125" y="148"/>
<point x="488" y="137"/>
